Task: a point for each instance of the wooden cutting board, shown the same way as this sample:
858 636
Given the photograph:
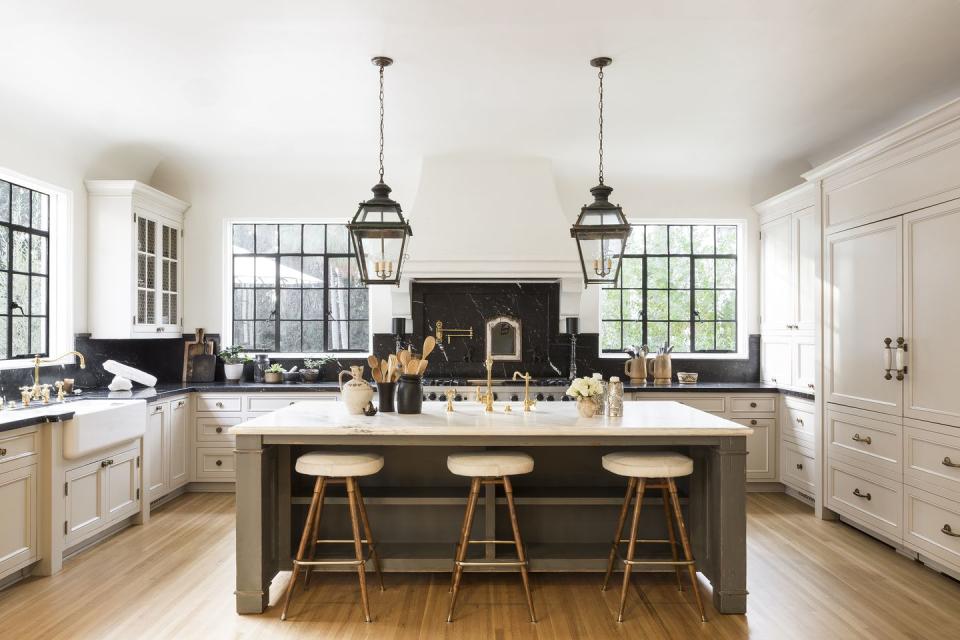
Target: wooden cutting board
199 346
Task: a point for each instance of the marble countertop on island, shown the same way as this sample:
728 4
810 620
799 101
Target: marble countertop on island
654 418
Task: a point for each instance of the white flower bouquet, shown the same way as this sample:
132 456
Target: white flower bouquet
585 388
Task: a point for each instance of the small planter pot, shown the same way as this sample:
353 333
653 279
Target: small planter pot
233 372
409 394
272 377
310 375
588 407
385 391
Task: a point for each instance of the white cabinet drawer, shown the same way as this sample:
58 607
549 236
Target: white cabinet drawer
872 500
797 467
753 404
215 464
263 403
215 429
869 443
219 403
711 405
17 447
799 420
931 459
931 525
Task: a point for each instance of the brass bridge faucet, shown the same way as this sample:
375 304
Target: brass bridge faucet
487 398
527 402
37 391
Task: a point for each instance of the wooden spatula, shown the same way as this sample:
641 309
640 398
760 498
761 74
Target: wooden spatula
428 344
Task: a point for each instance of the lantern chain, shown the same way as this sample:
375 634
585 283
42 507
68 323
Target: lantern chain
381 122
600 121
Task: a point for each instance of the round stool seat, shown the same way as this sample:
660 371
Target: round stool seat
643 464
489 463
339 464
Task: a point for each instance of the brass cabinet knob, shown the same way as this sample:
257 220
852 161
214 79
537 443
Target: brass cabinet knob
799 466
219 405
753 405
219 429
219 463
753 422
3 451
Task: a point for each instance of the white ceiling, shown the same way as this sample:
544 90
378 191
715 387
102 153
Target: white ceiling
720 90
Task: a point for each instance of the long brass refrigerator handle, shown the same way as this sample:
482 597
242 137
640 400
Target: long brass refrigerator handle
887 359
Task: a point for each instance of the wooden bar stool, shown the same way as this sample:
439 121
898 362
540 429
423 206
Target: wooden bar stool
662 468
336 467
489 467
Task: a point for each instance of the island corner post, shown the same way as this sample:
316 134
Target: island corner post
716 502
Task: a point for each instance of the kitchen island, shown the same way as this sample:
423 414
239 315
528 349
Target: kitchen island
567 507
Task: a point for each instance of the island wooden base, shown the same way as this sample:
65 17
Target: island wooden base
567 507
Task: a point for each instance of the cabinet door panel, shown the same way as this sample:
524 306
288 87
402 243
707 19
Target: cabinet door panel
931 312
806 248
804 362
18 528
84 502
179 443
122 486
777 312
155 451
775 363
761 448
863 306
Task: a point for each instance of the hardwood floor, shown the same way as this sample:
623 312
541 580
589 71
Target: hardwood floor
174 579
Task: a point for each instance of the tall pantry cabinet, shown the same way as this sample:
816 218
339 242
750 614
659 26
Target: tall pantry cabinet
891 354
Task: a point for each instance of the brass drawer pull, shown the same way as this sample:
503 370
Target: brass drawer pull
3 452
219 463
949 531
799 466
800 421
947 462
106 463
219 429
857 493
857 438
219 405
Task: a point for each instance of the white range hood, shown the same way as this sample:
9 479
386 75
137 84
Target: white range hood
480 217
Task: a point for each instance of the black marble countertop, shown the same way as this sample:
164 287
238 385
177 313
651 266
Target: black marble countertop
170 389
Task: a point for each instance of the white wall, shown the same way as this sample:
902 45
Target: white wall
223 195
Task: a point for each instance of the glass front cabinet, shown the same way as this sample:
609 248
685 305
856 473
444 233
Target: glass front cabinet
135 261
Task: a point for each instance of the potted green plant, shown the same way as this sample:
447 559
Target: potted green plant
273 375
233 360
311 368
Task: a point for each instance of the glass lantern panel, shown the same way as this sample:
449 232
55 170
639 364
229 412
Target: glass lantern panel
601 256
379 213
381 255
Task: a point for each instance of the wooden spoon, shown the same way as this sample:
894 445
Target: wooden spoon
384 371
372 361
392 367
422 368
428 344
404 357
375 372
411 367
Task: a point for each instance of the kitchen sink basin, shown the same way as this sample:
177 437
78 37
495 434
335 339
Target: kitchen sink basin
102 424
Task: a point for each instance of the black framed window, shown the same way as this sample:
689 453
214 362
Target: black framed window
677 286
24 271
297 289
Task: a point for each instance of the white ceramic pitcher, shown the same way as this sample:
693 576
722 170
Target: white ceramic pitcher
355 393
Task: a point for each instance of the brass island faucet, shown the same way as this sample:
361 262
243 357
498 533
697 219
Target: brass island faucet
487 398
527 402
37 392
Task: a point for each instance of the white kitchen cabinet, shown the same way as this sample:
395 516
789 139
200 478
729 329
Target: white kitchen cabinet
18 527
789 287
166 447
155 445
863 307
931 308
135 260
777 307
179 463
100 493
